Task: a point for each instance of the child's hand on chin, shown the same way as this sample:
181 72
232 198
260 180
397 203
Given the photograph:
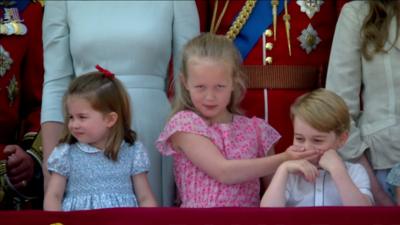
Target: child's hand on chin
330 160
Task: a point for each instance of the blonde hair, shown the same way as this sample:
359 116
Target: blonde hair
376 25
105 95
217 47
322 109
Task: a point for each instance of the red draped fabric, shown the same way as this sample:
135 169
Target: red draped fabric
215 216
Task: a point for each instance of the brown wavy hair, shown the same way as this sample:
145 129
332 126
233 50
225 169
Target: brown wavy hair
376 25
105 95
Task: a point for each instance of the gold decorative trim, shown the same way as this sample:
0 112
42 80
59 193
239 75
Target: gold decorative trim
36 149
241 19
41 2
286 18
214 26
2 167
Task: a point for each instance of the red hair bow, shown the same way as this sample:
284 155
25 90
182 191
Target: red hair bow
106 73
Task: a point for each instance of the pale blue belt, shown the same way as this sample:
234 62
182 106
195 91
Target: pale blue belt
142 81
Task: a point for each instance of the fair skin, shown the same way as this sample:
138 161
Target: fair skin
210 85
51 133
380 196
88 125
326 143
398 195
91 127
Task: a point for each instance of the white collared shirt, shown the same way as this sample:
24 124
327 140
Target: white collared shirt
323 191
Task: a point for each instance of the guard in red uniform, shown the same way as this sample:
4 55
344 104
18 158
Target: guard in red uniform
21 80
285 45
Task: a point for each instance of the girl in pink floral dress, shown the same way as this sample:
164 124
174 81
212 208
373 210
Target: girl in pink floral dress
218 154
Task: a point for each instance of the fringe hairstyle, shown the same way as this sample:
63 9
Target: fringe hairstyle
322 109
105 95
375 28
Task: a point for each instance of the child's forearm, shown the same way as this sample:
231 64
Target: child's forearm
148 202
380 196
275 194
398 195
237 171
52 203
142 188
348 191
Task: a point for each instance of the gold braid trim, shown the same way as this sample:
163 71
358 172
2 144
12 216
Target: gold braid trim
2 168
241 19
36 149
41 2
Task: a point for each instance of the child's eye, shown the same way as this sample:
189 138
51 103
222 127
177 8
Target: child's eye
299 139
318 141
221 86
199 87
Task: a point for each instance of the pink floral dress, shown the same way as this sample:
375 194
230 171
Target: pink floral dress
244 138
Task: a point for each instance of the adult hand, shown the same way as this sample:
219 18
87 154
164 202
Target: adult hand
20 166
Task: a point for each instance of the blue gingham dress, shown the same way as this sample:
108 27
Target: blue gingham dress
93 180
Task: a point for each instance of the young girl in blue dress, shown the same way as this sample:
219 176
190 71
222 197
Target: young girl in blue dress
98 163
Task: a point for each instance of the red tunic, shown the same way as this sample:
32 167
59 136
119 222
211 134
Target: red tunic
20 110
21 80
280 99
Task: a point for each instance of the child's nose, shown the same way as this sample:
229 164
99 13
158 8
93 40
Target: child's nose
210 95
309 146
73 124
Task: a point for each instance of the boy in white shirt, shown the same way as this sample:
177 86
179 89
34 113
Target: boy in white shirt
321 121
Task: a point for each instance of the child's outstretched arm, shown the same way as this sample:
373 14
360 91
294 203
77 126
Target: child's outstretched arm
55 192
266 180
275 194
350 194
206 156
143 191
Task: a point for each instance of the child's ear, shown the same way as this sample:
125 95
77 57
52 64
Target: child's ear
343 139
111 118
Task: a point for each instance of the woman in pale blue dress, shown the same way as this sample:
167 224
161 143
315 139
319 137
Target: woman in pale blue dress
135 40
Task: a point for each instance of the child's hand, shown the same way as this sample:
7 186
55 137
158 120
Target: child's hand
294 152
309 171
331 161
